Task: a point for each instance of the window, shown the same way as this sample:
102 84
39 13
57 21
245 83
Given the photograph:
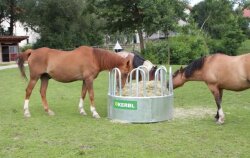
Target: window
13 49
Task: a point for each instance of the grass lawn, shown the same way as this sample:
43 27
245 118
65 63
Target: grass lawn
67 134
244 48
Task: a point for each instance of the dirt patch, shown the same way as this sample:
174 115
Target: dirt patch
185 113
119 121
182 113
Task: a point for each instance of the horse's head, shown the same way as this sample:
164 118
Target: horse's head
125 69
152 73
178 78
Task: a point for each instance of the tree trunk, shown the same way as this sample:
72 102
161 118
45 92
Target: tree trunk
12 17
140 33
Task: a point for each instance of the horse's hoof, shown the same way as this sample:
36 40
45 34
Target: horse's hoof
220 121
51 113
27 114
82 112
97 116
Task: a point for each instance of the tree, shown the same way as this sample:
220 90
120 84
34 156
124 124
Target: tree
218 19
243 21
62 24
146 16
9 12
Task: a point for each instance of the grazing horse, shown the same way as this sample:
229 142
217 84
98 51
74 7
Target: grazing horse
137 61
83 63
218 71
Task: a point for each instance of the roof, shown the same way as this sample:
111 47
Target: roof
12 39
246 13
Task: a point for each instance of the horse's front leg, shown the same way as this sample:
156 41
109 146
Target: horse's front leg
218 99
81 103
89 84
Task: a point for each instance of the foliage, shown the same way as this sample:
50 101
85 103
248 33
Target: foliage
62 24
9 13
219 20
67 134
183 49
244 48
2 14
27 46
156 51
243 22
146 16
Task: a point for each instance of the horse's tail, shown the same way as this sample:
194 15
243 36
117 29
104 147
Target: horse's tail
21 58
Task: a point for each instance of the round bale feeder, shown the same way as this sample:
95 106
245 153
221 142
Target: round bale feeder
141 101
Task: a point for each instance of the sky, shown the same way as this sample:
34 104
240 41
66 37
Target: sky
193 2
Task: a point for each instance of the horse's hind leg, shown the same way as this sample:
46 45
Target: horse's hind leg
29 89
81 103
218 99
43 89
89 84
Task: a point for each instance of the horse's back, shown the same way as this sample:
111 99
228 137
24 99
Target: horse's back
230 72
64 66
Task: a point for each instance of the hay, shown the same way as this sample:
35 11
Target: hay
149 89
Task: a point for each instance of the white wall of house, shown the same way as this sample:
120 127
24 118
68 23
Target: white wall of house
20 30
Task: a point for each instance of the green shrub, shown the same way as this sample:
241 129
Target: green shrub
156 51
24 48
183 49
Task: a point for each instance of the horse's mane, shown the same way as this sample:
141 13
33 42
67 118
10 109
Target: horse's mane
192 67
107 59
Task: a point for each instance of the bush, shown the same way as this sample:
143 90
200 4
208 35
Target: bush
27 46
229 44
183 49
156 51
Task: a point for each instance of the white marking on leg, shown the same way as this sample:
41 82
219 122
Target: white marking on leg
221 116
26 108
93 110
51 113
81 109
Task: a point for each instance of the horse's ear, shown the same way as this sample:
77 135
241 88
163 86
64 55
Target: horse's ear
129 62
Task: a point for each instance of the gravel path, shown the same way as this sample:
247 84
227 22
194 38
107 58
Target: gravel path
10 66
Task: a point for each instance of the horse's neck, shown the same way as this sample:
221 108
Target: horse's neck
197 76
108 61
124 54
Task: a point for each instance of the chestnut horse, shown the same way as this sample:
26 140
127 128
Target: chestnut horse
83 63
218 71
137 61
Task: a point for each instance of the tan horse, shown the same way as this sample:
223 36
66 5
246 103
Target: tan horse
83 63
219 72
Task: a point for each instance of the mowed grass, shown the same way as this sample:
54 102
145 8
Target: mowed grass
244 48
67 134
